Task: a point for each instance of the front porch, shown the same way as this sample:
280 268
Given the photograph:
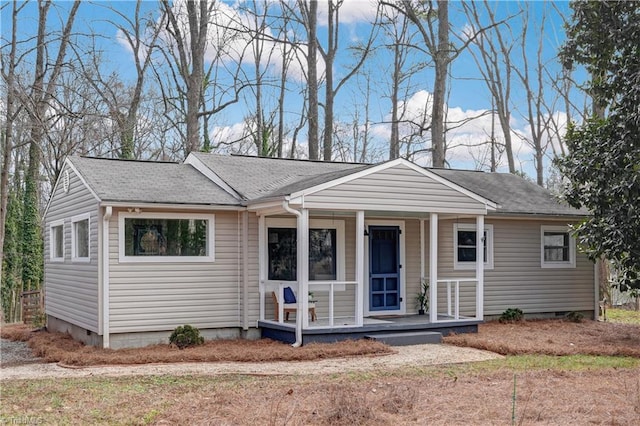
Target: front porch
375 326
354 252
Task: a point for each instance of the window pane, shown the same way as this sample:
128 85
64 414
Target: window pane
165 237
466 238
58 241
467 246
282 254
282 250
81 231
322 254
556 246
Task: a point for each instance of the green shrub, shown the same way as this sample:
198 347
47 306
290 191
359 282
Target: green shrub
186 335
512 315
575 316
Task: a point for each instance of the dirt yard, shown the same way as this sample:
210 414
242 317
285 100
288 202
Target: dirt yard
555 373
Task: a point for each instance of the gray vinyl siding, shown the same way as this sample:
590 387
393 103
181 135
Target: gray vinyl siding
395 189
161 296
72 288
517 279
412 263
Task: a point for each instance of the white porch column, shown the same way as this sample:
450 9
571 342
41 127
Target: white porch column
480 266
433 267
303 269
422 252
360 273
262 267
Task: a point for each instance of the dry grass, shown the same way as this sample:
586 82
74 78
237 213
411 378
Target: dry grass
554 337
61 348
436 396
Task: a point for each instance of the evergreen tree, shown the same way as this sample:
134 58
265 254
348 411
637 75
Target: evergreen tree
12 263
603 166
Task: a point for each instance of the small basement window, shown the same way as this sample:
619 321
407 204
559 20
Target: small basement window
157 237
80 238
56 241
558 247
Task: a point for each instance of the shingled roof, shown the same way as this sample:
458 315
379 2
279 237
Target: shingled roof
259 177
149 182
513 194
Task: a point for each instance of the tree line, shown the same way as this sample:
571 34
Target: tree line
286 66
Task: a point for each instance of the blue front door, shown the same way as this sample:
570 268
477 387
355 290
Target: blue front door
384 268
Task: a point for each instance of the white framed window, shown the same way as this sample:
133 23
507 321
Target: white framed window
56 240
80 232
557 247
464 246
326 250
166 237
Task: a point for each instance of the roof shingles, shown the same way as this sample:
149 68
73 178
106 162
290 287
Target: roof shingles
149 182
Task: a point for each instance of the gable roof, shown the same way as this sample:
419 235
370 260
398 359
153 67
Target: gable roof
513 194
242 179
261 177
148 182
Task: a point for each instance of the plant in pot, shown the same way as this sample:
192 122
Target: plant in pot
422 298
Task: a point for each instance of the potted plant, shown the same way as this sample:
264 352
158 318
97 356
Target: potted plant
422 298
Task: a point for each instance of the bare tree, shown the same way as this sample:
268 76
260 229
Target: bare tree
492 53
190 48
12 109
309 13
141 36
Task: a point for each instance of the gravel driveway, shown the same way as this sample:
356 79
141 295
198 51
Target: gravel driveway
15 353
417 355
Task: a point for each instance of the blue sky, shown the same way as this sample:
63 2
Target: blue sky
468 95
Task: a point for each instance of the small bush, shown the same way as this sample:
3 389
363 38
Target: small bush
186 335
575 316
512 315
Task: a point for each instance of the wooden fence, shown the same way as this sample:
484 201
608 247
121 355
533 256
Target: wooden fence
32 305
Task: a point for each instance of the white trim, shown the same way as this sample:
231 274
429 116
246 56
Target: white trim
166 206
360 272
489 205
52 225
571 263
433 267
480 267
106 326
74 220
312 205
287 223
200 166
488 265
403 282
210 257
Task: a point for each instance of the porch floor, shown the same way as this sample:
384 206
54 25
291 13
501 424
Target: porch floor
345 328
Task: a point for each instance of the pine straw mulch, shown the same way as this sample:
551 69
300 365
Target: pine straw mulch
61 348
554 337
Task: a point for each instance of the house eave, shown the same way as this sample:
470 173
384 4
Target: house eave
537 216
170 206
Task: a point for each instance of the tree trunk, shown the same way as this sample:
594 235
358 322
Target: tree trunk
440 86
312 78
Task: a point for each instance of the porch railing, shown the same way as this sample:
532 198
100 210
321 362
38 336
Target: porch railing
453 296
330 287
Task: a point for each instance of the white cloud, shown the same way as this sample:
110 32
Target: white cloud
351 12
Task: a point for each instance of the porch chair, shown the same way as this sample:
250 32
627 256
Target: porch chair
290 305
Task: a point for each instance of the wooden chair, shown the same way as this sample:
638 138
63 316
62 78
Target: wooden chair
290 307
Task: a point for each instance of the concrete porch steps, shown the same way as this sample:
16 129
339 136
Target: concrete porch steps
405 339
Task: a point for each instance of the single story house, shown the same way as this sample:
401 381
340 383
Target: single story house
134 249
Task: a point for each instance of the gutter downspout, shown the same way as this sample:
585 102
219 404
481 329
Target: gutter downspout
105 276
298 342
